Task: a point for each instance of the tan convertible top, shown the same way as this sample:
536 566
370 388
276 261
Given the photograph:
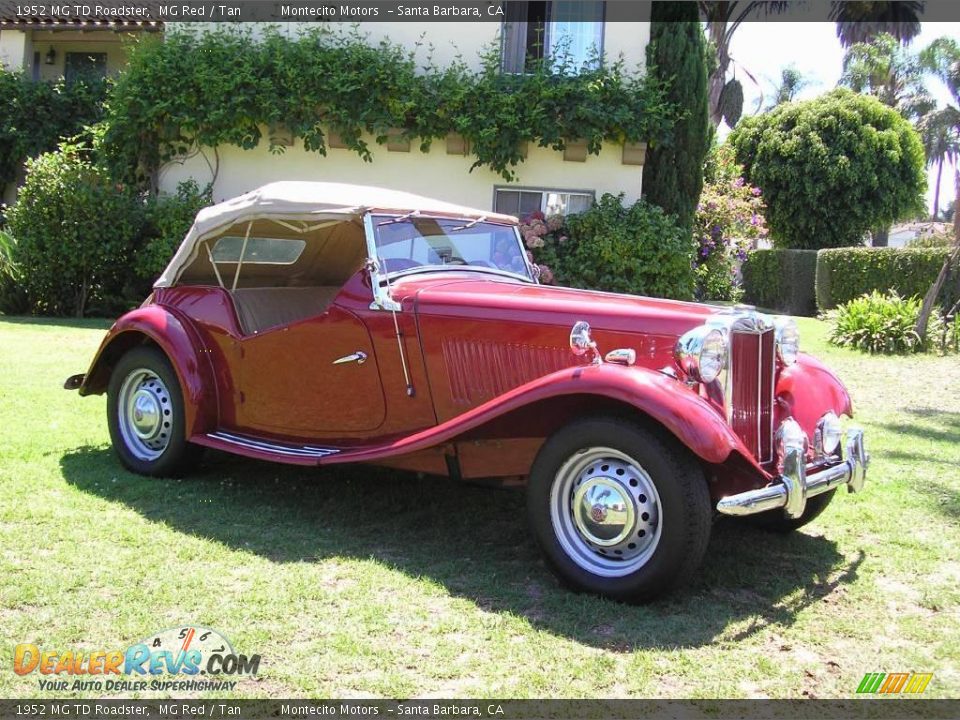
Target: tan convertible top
311 201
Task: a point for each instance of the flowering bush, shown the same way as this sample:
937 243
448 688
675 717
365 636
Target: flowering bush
729 221
544 238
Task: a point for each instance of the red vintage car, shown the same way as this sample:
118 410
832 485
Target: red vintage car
320 324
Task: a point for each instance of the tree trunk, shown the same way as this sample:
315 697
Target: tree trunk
930 299
881 237
936 194
718 36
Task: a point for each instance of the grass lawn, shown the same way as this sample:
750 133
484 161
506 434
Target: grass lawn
364 582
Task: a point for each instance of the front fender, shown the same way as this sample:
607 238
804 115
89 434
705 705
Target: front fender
688 416
808 389
175 335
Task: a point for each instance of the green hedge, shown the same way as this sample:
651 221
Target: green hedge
847 273
781 280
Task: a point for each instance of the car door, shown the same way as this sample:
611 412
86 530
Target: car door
317 377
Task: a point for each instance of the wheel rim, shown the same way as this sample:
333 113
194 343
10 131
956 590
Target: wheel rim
145 414
605 511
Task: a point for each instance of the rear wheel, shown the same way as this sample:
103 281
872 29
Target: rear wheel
145 415
618 510
776 521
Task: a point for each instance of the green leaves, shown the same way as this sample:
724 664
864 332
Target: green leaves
637 249
35 116
224 85
832 168
878 323
845 274
75 229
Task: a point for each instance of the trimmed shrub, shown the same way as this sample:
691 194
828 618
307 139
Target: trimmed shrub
638 249
782 280
878 323
75 229
832 168
844 274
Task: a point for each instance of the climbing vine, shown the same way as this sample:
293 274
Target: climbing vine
224 87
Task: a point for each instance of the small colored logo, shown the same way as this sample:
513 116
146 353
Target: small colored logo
894 683
180 654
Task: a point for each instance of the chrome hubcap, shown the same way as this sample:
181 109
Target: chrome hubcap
145 414
605 512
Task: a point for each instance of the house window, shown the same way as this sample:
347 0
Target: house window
522 202
561 30
83 65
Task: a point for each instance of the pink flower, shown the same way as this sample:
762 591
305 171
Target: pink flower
546 275
562 239
534 241
554 223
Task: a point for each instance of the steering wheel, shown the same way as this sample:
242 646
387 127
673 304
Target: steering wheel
391 265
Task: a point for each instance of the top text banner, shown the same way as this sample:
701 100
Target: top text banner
14 13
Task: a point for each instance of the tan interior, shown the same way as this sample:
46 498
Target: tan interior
262 308
269 296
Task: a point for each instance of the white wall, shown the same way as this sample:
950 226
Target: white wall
15 49
435 174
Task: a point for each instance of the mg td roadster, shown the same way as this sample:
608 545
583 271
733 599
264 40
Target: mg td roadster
320 324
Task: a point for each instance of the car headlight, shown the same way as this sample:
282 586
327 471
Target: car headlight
701 353
788 340
828 434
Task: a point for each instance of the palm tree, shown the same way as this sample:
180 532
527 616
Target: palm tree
859 22
891 73
943 59
941 143
791 83
723 17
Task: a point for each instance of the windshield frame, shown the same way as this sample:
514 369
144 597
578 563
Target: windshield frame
373 220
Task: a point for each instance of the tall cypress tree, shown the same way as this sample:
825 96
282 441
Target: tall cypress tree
677 54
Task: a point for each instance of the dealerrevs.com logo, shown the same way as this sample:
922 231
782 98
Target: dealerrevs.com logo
179 659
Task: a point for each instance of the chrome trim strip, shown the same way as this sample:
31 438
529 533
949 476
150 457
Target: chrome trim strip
794 486
304 451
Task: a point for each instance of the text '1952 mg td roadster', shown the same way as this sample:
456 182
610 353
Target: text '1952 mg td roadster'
319 324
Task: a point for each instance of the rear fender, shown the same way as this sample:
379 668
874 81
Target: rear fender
671 404
180 342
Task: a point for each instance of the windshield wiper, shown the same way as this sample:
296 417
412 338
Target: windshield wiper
399 219
470 224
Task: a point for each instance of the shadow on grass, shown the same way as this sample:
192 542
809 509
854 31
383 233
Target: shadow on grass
473 541
933 424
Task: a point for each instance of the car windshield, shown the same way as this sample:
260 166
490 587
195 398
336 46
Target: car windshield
415 243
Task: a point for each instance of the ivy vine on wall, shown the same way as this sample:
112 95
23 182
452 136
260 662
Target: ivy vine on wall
223 87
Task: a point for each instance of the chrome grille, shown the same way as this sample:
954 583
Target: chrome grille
752 365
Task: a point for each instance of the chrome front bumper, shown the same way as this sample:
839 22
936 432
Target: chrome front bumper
794 486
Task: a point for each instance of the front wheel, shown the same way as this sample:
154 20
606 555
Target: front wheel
618 510
145 415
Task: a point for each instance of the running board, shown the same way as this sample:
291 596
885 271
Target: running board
265 449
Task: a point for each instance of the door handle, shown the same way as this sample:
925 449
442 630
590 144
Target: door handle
359 357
